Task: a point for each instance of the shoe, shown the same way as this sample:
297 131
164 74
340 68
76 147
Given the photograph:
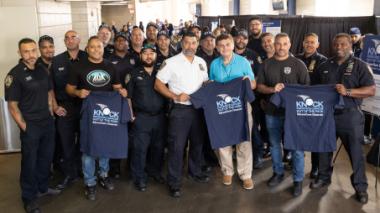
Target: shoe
258 163
90 192
248 184
267 153
175 192
67 181
275 180
297 190
158 178
115 173
287 157
140 186
200 178
49 191
206 169
314 174
227 180
362 197
106 183
318 183
32 207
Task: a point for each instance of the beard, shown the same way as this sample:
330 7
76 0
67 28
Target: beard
148 64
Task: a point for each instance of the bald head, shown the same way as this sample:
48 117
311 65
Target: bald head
137 37
72 40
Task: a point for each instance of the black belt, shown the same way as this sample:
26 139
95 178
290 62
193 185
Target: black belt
344 110
183 106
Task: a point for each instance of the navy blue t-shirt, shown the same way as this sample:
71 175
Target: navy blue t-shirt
104 125
309 116
225 110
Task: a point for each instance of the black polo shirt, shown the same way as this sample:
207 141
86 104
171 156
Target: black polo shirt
122 65
289 71
93 76
206 57
161 57
255 45
108 50
60 73
30 89
353 73
142 93
134 57
312 62
253 59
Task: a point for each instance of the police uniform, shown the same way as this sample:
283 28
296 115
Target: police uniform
68 125
206 57
45 65
253 59
149 126
30 89
185 122
133 58
349 121
312 62
109 49
161 57
123 66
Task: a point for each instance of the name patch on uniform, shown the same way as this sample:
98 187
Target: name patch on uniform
61 68
8 81
114 62
201 67
98 78
132 61
127 78
287 70
28 78
140 78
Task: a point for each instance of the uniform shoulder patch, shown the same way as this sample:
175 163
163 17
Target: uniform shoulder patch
127 78
201 67
8 81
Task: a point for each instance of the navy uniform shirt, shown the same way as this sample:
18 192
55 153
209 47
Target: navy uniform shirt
357 49
134 57
123 66
312 62
60 68
353 73
142 93
255 45
108 50
30 89
289 71
161 57
253 59
93 76
45 65
207 58
309 116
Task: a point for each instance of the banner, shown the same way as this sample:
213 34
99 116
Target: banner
371 55
273 26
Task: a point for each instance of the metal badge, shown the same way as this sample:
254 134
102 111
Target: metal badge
8 81
28 78
201 67
132 61
259 60
127 78
115 62
312 65
140 78
349 68
61 68
287 70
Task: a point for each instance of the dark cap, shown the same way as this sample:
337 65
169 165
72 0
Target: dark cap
355 31
242 32
163 33
195 26
148 46
207 34
151 24
45 38
121 34
105 26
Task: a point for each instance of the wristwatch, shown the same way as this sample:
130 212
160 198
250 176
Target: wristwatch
348 92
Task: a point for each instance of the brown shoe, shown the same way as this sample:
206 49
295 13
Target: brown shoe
248 184
227 180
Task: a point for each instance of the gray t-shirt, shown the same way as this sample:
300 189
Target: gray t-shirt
289 71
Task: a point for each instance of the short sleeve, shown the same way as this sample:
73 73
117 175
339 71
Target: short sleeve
198 98
248 70
276 99
249 95
261 74
73 76
165 73
12 88
130 84
365 75
126 112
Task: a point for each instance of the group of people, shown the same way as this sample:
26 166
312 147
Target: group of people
45 96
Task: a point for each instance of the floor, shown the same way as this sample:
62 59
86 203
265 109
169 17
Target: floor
211 197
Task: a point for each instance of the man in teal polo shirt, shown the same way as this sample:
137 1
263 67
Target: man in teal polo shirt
223 69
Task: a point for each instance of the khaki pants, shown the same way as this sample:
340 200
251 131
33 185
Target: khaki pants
243 155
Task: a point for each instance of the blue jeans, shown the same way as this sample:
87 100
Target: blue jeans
88 167
275 126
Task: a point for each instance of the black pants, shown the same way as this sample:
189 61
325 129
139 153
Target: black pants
314 161
68 134
37 150
185 123
148 141
350 130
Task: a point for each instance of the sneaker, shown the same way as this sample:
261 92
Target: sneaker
362 196
90 192
297 189
106 183
248 184
49 191
32 207
227 180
